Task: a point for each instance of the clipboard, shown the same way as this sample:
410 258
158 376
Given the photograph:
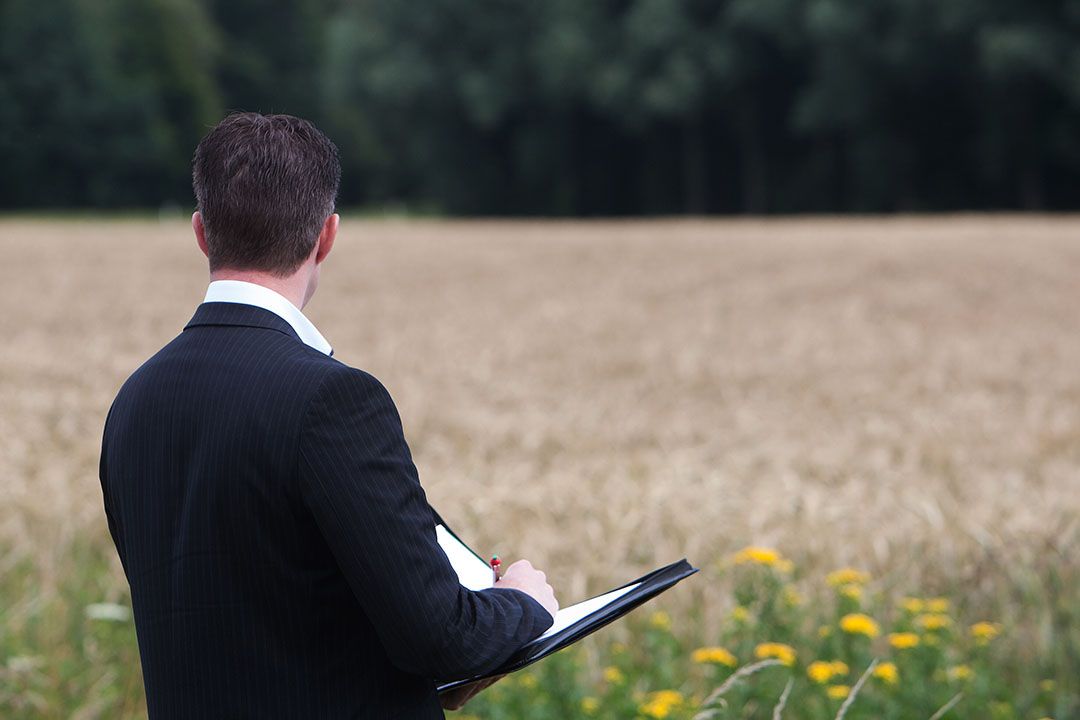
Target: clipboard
590 616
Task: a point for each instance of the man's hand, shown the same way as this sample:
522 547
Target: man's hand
455 699
519 576
524 577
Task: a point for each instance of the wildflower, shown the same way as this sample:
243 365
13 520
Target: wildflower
824 631
837 692
528 681
613 675
913 605
859 624
717 655
984 632
1047 685
937 605
784 653
1001 709
24 663
590 705
740 614
851 591
758 556
660 620
820 671
888 673
903 640
108 611
792 597
660 703
933 621
846 576
959 672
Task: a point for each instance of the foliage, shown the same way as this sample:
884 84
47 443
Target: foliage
613 107
926 655
917 654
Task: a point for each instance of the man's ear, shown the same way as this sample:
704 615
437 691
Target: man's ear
200 232
326 238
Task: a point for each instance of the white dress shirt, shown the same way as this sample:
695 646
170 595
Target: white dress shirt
245 293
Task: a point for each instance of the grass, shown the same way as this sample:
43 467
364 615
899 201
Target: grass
895 395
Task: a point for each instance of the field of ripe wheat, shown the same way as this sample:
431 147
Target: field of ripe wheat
896 396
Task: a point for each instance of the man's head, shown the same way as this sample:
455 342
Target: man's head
265 187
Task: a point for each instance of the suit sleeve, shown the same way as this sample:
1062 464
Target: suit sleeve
103 477
358 479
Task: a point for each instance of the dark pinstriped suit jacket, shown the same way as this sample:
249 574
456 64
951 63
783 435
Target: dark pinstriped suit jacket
280 550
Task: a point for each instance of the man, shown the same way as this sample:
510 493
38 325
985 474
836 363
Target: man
262 498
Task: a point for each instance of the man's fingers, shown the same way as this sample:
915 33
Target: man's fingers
520 564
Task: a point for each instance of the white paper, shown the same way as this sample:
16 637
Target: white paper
567 616
475 574
472 572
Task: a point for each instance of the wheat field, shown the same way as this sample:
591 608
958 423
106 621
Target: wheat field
899 395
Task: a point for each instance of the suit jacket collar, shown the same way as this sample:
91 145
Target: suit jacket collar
248 293
239 314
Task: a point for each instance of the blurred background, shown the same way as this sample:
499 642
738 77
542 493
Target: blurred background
615 107
856 410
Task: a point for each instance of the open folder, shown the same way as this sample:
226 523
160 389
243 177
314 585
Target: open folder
571 623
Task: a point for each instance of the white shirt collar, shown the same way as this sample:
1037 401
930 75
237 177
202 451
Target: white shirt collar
245 293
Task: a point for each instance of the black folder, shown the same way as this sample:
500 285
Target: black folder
649 586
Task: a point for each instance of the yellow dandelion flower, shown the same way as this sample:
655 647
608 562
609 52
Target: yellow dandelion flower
1001 709
792 598
933 621
717 655
824 631
837 692
740 614
613 675
888 673
660 620
660 703
784 653
859 624
589 705
1047 685
758 556
984 632
903 640
851 591
839 667
937 605
847 576
668 697
913 605
528 681
820 671
959 672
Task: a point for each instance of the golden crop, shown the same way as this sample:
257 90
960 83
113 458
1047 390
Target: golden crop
896 395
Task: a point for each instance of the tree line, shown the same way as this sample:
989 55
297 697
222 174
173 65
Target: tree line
560 107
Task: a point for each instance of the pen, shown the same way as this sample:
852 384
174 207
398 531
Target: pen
495 563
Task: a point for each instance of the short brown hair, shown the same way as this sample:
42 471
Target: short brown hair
265 185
